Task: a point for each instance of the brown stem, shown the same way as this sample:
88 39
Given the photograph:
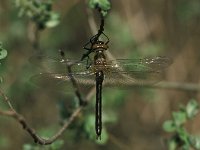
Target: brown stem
38 139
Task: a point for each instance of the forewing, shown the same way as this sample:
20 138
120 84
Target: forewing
57 65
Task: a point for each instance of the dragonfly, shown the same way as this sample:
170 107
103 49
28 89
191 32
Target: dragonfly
102 72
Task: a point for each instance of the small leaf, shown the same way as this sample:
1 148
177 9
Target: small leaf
1 80
172 145
192 108
89 126
53 21
195 141
90 130
27 147
186 147
104 13
103 4
3 52
179 117
183 135
169 126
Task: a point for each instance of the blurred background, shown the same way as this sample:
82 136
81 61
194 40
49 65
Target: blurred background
133 118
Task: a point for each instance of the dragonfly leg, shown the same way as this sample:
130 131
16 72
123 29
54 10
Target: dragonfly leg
62 54
108 40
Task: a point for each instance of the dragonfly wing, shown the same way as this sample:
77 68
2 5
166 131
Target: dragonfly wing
57 65
62 82
119 73
142 65
124 79
130 72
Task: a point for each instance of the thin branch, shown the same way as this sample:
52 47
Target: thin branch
38 139
7 101
6 113
82 102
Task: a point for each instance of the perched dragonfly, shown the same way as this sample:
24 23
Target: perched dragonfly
101 72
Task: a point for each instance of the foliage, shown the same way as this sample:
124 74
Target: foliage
103 4
3 52
40 12
181 138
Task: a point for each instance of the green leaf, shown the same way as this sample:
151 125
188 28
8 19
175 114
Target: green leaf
183 135
90 130
103 4
89 126
169 126
192 108
172 145
186 147
179 117
27 147
53 21
3 52
57 145
40 12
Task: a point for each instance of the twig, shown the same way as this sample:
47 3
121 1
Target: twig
82 102
38 139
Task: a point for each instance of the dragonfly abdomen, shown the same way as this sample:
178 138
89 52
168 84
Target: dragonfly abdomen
98 121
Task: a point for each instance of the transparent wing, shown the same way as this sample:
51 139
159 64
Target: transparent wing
57 65
119 73
54 81
139 65
127 72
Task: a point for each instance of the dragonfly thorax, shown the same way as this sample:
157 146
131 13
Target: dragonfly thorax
99 60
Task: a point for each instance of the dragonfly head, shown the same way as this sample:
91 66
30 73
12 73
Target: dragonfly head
100 45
